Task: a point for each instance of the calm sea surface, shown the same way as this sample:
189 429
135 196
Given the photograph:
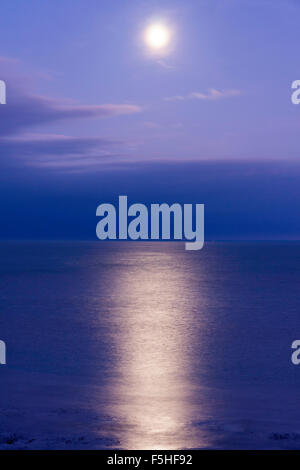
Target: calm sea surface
146 345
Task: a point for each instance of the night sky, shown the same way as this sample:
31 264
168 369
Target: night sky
92 113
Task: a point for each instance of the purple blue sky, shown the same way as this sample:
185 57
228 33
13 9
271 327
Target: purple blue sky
92 113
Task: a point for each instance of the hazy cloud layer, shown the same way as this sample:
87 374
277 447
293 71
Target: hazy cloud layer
239 197
55 150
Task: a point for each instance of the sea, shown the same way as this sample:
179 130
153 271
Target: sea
144 345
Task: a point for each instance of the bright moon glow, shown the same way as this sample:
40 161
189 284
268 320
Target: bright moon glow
157 36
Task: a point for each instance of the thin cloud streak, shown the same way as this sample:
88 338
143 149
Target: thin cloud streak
212 94
26 110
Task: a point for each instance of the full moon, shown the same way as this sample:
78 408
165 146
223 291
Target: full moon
157 36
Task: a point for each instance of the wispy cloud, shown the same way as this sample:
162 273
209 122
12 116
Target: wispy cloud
165 64
211 94
25 110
